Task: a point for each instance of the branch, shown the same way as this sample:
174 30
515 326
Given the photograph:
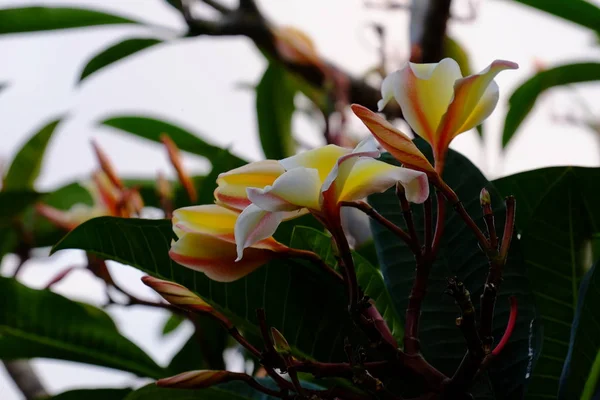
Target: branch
248 21
26 379
431 23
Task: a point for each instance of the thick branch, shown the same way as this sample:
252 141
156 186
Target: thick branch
26 379
433 31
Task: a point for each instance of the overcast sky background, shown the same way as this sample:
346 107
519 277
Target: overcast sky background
194 83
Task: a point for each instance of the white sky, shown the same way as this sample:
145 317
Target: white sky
193 84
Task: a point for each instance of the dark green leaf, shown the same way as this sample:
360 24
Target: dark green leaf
203 350
442 343
34 19
172 323
581 12
26 165
274 110
556 216
147 189
523 99
93 394
314 325
369 277
152 129
39 323
13 202
581 372
115 53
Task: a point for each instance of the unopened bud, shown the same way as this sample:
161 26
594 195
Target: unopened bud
281 345
106 165
200 379
177 294
163 187
175 157
485 198
110 195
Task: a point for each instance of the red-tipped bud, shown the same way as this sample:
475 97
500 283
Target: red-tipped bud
200 379
280 343
164 187
175 157
177 294
106 165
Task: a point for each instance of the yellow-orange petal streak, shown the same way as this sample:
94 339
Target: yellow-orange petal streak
393 140
215 257
232 185
208 218
475 98
423 92
322 159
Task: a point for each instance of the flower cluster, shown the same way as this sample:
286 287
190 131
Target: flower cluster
233 237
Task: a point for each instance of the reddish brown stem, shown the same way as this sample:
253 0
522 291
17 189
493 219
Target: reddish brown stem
347 263
509 226
439 224
315 259
408 217
415 301
428 224
512 319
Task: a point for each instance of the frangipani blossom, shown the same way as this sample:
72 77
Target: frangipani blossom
439 104
206 243
319 180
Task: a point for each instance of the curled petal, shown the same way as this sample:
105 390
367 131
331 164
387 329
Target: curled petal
216 258
322 159
297 188
424 92
369 176
254 225
295 46
475 98
177 294
388 88
397 143
209 219
232 185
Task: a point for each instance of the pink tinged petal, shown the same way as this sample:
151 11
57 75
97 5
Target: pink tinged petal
254 225
297 188
393 140
232 185
369 176
424 92
216 258
475 98
321 159
388 88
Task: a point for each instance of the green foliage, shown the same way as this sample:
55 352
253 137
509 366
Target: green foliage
581 373
522 100
222 161
556 217
115 53
231 391
39 323
25 167
13 202
93 394
152 129
172 323
34 19
442 343
274 110
581 12
369 277
314 325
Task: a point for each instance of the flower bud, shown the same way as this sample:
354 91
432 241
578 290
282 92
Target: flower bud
175 157
177 295
106 165
200 379
163 187
280 343
485 198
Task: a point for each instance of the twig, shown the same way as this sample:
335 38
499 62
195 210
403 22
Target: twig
408 217
434 31
439 224
428 227
315 259
25 379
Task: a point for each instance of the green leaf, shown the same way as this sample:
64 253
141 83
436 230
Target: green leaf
35 19
115 53
274 110
26 165
369 277
581 12
524 97
581 373
93 394
203 350
459 255
39 323
152 129
315 325
13 202
222 161
556 217
173 322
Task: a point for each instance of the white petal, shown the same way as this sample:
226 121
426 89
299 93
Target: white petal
254 225
388 86
295 189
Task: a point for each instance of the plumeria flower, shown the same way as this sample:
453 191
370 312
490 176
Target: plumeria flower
319 181
205 242
438 103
